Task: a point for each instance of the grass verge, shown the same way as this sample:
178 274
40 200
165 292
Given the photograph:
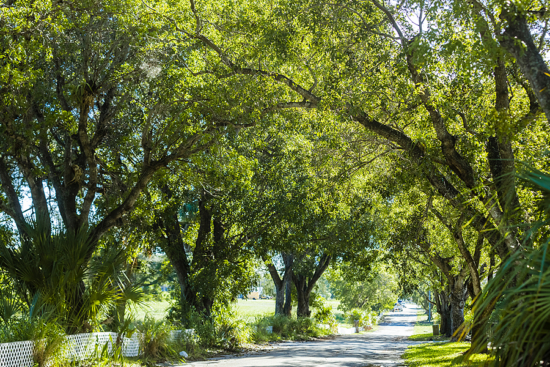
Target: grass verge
442 355
423 330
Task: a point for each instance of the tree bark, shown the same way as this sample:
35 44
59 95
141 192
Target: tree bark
174 248
283 297
288 259
517 40
287 309
303 297
279 289
304 284
458 295
444 311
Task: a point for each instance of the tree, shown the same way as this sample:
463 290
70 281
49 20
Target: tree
374 290
99 99
431 98
429 66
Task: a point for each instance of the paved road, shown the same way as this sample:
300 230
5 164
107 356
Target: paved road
380 348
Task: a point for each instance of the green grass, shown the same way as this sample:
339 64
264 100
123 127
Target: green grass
155 309
265 307
253 308
423 330
441 355
244 308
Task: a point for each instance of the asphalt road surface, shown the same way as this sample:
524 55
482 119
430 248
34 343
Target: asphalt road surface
382 347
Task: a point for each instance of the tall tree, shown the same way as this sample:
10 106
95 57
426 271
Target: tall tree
97 99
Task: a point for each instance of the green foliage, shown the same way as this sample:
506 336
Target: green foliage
10 305
156 342
286 328
53 269
377 290
325 315
223 329
48 336
521 288
362 317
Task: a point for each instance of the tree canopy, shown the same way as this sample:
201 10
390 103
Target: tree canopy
385 140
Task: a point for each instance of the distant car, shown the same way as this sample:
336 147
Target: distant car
397 308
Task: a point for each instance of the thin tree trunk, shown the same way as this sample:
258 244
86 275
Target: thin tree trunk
279 288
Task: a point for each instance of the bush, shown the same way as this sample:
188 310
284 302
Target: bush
47 335
155 341
221 330
302 328
231 331
324 315
190 344
365 318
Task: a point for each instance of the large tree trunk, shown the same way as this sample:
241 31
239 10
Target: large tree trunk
174 248
304 285
458 295
282 285
517 40
287 309
444 311
287 283
303 297
204 254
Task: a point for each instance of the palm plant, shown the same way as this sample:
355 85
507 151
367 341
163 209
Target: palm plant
521 287
10 305
57 269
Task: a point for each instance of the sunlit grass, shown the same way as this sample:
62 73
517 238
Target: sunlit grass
423 329
243 308
441 355
155 309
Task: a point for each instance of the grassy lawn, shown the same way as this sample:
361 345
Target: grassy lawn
423 330
441 355
253 308
244 308
155 309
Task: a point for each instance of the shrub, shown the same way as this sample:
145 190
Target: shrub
155 341
519 293
364 318
190 343
284 327
324 315
231 331
47 335
221 330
